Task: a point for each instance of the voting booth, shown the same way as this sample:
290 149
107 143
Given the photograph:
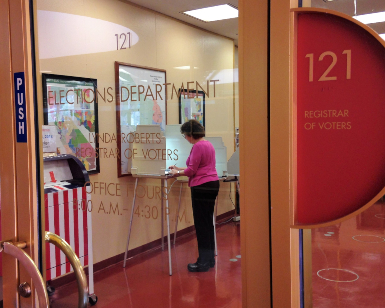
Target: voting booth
178 148
68 214
153 151
148 160
233 176
148 151
233 164
176 143
220 155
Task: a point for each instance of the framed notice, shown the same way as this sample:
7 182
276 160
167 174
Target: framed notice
191 106
140 100
49 137
70 105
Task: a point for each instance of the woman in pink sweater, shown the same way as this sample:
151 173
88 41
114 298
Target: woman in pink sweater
204 184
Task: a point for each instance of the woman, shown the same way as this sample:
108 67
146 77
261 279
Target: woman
204 184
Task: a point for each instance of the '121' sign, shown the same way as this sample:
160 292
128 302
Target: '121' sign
340 117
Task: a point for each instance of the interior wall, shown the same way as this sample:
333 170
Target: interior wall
164 43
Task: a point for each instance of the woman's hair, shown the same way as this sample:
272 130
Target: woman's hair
193 128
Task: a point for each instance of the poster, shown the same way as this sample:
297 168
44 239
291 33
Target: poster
192 106
140 100
70 105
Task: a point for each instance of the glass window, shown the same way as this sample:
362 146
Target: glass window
347 267
117 81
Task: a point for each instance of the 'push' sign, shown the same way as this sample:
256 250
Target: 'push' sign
21 120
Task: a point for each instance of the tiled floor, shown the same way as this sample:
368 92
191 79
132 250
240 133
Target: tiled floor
145 281
351 255
348 262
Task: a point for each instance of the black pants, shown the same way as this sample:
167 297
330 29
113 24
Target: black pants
203 201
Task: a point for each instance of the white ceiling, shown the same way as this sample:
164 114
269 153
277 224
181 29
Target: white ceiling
354 8
173 8
229 27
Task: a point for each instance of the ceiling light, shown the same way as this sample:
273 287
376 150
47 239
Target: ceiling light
212 13
182 67
371 18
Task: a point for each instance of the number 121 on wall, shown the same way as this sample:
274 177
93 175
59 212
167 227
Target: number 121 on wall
328 73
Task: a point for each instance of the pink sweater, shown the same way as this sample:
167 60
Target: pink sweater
201 164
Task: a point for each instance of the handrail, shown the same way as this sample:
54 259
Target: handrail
30 266
76 265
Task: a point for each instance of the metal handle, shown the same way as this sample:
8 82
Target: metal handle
76 265
30 266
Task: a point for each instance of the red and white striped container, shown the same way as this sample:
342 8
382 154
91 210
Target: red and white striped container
67 214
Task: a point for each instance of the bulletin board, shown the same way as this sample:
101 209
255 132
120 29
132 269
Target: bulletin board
191 106
140 100
70 104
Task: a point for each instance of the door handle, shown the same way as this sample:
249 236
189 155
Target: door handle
15 251
76 265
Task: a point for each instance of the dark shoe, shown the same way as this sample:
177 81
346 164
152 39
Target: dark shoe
211 262
199 267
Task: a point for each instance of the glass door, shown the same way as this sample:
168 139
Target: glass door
344 261
113 90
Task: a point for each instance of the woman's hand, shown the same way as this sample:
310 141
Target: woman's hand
173 167
174 171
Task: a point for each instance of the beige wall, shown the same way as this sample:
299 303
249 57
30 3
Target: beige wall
164 43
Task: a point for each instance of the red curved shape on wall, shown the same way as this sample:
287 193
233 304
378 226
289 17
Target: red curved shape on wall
340 118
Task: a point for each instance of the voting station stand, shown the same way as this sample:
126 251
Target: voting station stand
144 167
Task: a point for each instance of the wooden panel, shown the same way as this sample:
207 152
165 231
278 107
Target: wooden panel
7 154
253 115
22 162
285 263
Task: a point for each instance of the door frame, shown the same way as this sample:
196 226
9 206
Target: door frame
269 247
19 185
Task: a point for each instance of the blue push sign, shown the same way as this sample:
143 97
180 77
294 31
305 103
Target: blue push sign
21 119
